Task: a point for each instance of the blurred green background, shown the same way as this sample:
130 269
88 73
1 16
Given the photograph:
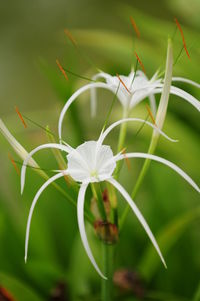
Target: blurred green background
32 37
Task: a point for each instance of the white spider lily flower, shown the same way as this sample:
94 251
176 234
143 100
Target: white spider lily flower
92 162
138 88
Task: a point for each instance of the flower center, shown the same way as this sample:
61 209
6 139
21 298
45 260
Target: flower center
91 162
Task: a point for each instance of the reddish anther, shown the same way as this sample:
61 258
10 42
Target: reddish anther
150 114
121 81
140 62
182 35
135 27
5 295
20 116
126 159
14 164
70 37
62 70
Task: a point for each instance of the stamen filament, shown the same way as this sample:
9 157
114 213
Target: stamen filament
121 81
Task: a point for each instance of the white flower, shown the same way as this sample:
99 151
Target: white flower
91 162
137 87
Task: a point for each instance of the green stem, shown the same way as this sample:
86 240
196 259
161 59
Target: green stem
107 285
96 190
122 136
160 118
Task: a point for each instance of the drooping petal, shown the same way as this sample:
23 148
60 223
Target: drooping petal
18 148
73 98
42 188
93 99
185 80
181 93
43 146
139 216
153 104
112 126
81 224
178 92
163 161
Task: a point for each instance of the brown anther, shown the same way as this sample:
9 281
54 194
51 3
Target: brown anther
150 114
70 37
129 281
20 116
121 81
182 35
140 62
14 164
106 231
5 295
128 163
61 69
135 26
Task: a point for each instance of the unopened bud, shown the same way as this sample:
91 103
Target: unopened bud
106 231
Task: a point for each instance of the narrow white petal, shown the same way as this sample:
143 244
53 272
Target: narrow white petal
18 148
185 80
163 161
153 104
112 126
81 224
27 159
73 98
178 92
181 93
42 188
139 215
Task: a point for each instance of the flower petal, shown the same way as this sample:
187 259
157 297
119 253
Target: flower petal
42 188
163 161
185 80
73 98
27 159
80 213
153 104
93 99
112 126
139 215
181 93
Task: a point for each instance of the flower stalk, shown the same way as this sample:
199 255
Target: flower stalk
107 285
160 118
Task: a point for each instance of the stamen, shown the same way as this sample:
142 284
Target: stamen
70 37
61 69
121 81
128 163
150 114
135 27
20 116
182 35
80 76
140 62
14 164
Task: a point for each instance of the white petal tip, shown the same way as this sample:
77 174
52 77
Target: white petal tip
25 259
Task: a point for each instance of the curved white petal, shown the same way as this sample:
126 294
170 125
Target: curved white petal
73 98
81 224
185 80
178 92
163 161
181 93
42 188
139 215
112 126
153 104
93 99
43 146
